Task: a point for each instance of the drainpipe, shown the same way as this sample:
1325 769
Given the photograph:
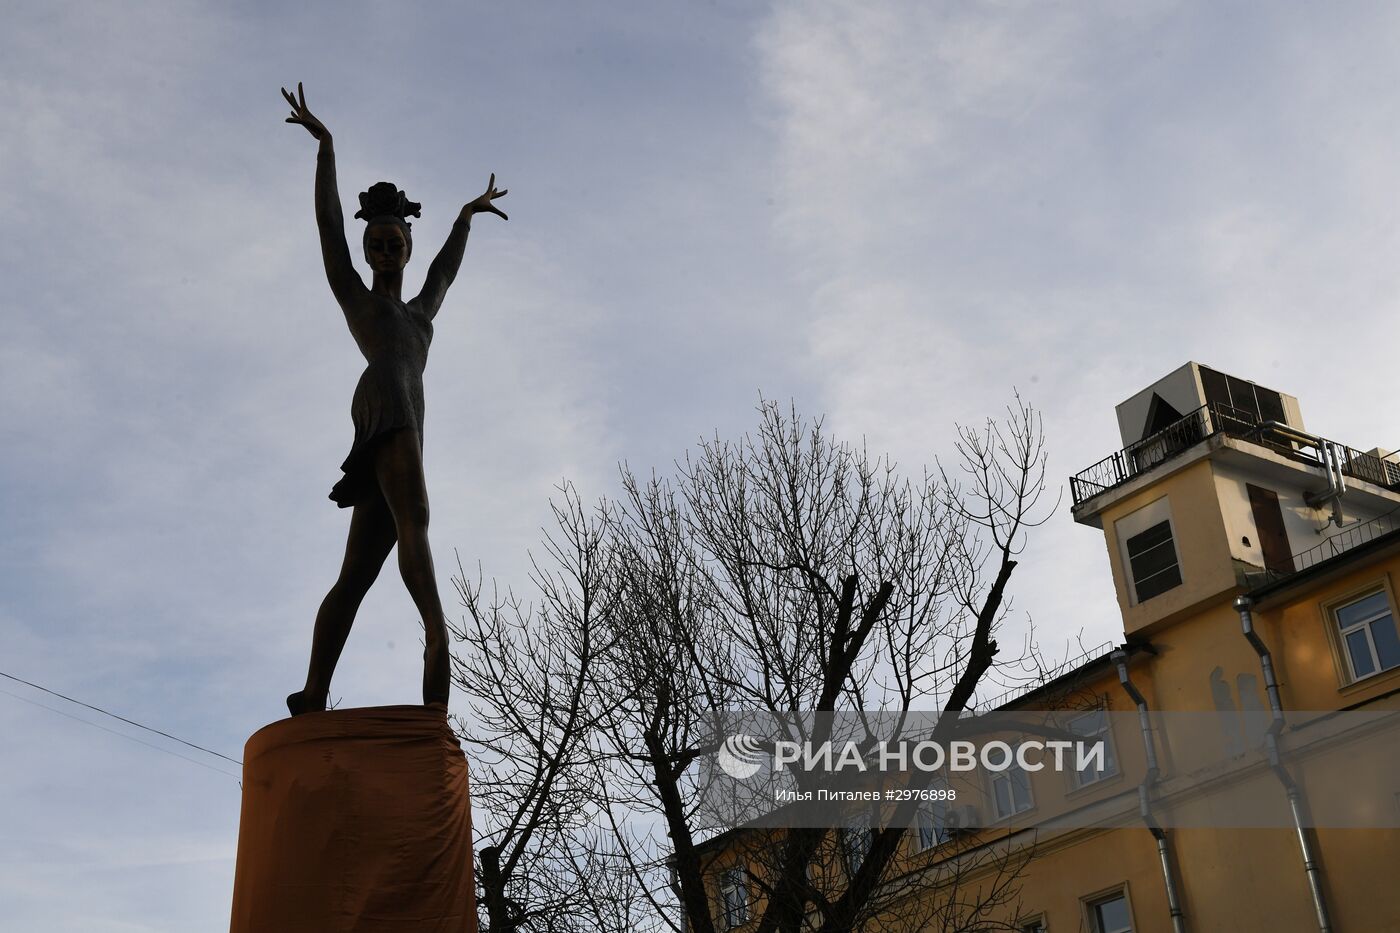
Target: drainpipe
1331 462
1336 481
1120 659
1295 793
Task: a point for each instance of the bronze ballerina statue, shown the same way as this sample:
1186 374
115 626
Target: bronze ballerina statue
383 480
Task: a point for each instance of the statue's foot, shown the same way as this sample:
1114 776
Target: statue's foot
298 703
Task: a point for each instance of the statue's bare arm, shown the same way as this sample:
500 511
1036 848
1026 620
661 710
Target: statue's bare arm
444 266
346 284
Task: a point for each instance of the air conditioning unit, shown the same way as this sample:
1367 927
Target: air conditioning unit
1387 458
963 820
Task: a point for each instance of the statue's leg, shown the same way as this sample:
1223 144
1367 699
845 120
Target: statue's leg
398 466
368 544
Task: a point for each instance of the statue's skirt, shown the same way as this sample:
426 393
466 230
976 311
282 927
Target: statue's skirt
355 819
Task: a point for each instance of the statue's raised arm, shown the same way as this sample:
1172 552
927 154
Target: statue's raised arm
330 220
444 266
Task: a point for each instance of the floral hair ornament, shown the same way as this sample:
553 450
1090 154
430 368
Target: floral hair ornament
384 199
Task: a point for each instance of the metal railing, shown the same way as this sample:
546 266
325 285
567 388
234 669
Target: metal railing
1369 467
1352 536
1118 468
1039 679
1211 419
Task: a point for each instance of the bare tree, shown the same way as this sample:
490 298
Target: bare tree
782 573
529 672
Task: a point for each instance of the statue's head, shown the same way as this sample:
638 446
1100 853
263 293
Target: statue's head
388 240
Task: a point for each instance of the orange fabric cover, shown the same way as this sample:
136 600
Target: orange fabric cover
355 819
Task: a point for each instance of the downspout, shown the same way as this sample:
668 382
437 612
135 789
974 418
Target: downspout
1149 742
1336 481
674 883
1295 793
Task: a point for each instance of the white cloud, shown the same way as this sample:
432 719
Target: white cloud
1075 201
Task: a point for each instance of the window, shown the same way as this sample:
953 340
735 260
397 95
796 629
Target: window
1148 554
1090 726
856 837
1110 915
1368 634
1033 926
1152 558
734 896
1011 792
1244 403
931 828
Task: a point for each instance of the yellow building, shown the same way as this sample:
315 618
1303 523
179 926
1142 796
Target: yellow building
1255 567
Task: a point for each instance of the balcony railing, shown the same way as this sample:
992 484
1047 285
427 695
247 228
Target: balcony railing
1118 468
1369 467
1210 419
1346 539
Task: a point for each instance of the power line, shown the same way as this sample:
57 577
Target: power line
123 735
130 722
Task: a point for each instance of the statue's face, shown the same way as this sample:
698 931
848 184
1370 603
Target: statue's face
386 249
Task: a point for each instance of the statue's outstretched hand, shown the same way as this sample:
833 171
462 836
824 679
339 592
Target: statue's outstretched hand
302 115
483 202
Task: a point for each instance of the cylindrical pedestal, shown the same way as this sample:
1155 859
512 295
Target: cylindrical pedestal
355 820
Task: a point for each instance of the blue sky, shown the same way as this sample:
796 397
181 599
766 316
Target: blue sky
892 213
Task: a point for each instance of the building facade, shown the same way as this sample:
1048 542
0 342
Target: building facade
1250 557
1255 565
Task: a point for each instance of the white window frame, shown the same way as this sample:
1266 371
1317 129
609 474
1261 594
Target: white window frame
735 910
1340 634
1092 903
853 853
1085 778
937 813
1010 792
